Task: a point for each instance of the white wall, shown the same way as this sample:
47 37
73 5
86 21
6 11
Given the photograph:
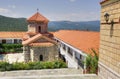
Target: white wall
10 40
17 57
71 60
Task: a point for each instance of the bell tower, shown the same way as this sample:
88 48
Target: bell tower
37 23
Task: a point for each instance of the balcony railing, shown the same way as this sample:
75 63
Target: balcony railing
80 62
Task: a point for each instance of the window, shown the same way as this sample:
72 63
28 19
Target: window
39 28
70 51
64 47
41 58
3 41
80 56
57 41
15 41
20 41
9 41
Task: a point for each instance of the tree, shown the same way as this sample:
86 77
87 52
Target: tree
92 62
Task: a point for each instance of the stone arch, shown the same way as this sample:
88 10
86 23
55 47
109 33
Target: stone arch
39 29
41 57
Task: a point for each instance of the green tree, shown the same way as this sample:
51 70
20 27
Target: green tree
92 62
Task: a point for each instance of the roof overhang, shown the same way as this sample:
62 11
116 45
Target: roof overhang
103 1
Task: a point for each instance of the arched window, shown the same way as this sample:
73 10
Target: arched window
39 28
41 58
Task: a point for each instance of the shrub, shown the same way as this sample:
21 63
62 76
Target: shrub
20 66
35 65
59 64
92 62
4 66
10 48
48 65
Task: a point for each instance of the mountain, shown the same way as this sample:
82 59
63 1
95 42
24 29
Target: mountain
12 24
89 25
20 24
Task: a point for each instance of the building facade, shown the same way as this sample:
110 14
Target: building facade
74 46
38 43
11 37
72 56
109 56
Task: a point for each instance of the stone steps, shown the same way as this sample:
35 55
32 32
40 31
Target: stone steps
47 74
53 77
41 72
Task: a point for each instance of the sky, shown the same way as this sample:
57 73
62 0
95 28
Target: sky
54 10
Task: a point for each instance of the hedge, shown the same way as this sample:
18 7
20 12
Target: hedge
10 48
5 66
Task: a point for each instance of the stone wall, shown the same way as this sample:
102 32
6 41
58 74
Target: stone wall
49 53
26 52
16 57
110 41
34 27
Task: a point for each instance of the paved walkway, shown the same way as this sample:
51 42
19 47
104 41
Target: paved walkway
47 74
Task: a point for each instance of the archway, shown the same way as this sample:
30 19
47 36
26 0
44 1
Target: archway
39 29
41 57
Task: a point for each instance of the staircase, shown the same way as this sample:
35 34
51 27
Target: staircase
47 74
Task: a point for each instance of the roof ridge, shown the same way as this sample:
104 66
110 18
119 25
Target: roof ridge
78 31
38 18
30 40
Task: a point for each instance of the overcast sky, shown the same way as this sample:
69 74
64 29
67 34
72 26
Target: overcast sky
54 10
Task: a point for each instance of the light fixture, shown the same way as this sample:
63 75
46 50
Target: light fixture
106 16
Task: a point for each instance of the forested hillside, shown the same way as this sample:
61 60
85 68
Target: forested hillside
20 24
12 24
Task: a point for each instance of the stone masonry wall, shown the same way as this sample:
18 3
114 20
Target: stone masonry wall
34 27
26 52
49 53
110 41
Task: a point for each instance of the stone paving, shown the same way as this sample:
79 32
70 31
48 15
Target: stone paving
47 74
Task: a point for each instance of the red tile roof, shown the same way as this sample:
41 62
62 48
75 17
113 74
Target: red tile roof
37 17
31 40
12 34
41 44
83 40
31 33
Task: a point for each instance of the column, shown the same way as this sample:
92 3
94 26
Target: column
66 49
12 41
84 71
74 55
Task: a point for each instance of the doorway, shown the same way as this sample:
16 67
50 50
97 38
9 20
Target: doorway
41 58
39 29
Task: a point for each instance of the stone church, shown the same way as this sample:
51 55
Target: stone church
38 43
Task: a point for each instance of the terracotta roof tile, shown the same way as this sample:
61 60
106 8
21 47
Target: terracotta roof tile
41 44
83 40
12 34
37 17
30 40
33 39
31 33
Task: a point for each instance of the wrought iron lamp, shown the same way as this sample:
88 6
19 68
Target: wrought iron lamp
106 16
